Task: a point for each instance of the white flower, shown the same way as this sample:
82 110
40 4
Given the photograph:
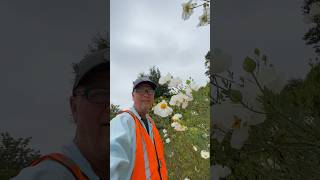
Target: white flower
204 18
186 178
176 117
174 124
168 140
194 113
180 99
164 131
271 79
165 135
218 171
221 61
165 79
176 100
174 82
187 9
194 86
184 104
195 148
189 91
218 135
162 109
178 127
232 117
239 136
205 154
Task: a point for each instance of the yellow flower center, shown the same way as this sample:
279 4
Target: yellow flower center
237 123
163 106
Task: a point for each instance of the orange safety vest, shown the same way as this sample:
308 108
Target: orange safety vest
66 162
158 171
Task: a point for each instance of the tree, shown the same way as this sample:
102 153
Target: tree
99 42
310 10
154 75
114 110
15 155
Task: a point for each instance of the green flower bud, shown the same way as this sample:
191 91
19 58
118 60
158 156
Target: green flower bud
249 65
235 96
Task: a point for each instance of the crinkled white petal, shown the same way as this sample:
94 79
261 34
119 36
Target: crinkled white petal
239 136
218 171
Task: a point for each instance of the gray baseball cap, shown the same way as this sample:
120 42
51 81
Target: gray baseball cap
88 63
144 79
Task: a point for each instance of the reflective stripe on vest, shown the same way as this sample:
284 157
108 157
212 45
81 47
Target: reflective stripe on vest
66 162
154 151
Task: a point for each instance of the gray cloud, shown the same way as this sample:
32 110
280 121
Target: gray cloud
144 34
39 42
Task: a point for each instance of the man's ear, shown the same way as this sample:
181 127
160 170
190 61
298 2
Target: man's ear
73 107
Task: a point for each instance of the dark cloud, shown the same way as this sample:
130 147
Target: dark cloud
39 42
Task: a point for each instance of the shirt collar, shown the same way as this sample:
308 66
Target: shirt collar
72 151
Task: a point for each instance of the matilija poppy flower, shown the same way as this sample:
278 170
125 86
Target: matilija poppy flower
176 117
174 82
178 127
165 79
162 109
180 99
205 154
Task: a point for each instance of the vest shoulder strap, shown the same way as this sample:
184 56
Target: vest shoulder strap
65 161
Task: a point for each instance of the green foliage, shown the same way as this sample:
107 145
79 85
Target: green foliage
114 110
249 65
154 75
286 145
207 59
182 160
99 42
15 155
312 36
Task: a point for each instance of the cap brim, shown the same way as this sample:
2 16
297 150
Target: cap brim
147 82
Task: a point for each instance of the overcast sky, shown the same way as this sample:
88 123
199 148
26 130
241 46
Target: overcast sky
40 39
276 27
145 33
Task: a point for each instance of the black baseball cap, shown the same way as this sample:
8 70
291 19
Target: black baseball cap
89 62
144 79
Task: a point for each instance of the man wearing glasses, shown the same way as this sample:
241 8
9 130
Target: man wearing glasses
136 149
86 157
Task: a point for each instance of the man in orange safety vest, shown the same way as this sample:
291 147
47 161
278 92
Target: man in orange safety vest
136 148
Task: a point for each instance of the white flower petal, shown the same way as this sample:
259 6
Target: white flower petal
205 154
162 109
239 136
219 171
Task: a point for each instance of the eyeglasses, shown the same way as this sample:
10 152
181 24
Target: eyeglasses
96 96
142 91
